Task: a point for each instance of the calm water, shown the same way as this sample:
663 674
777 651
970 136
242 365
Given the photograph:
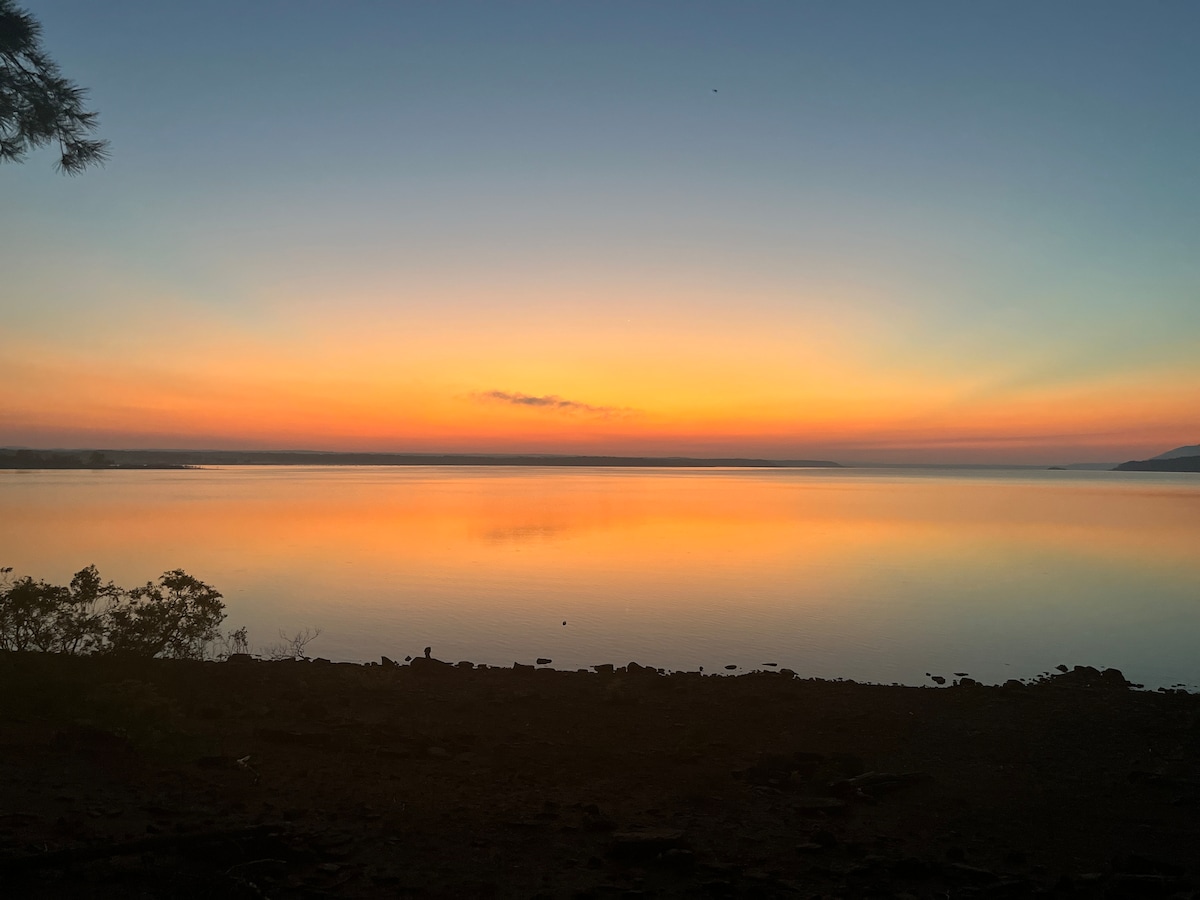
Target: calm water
877 575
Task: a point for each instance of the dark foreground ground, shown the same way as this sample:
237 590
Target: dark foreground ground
251 779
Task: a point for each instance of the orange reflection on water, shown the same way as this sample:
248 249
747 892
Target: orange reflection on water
592 520
484 558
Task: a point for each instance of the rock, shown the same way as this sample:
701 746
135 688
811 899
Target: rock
466 664
937 679
125 866
386 662
973 873
258 869
635 669
911 867
595 820
1137 864
876 783
772 665
815 806
679 859
961 674
1114 678
1061 668
239 658
731 667
967 682
1011 886
297 738
430 666
1129 885
604 668
825 838
644 842
89 740
522 667
217 762
542 661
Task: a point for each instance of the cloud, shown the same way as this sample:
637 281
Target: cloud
549 402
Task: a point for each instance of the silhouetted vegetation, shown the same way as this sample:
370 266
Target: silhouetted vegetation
294 647
38 106
76 459
178 617
52 459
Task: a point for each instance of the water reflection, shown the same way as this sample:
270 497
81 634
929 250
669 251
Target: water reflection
521 533
873 575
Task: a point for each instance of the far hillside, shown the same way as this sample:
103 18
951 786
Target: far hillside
1189 450
1161 464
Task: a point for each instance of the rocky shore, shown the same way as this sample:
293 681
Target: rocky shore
256 779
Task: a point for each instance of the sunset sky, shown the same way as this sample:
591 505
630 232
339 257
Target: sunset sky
863 231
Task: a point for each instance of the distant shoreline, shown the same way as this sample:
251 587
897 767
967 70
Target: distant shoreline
12 458
191 459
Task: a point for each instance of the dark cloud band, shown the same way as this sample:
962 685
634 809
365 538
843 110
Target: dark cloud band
550 402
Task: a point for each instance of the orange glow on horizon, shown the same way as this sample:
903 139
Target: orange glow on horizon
639 404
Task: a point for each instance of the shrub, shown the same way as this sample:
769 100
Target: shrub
51 618
294 647
178 616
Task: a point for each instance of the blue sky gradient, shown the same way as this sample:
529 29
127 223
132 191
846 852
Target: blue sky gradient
982 204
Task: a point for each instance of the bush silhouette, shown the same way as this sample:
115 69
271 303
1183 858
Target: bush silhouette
178 616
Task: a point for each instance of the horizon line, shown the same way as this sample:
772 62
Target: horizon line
494 455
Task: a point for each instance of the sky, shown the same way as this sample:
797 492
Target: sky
862 231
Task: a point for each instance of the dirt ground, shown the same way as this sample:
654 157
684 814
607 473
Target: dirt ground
162 779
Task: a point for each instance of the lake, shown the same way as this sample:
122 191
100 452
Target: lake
871 574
